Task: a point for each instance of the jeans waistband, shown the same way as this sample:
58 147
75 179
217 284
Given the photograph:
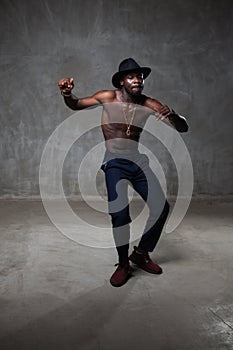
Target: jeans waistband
129 155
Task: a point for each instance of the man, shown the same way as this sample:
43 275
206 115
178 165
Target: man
125 111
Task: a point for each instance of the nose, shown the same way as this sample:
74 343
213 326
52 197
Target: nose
138 79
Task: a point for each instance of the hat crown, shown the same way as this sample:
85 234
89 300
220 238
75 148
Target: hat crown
128 64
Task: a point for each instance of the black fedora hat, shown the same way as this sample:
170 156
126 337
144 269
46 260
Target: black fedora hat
126 66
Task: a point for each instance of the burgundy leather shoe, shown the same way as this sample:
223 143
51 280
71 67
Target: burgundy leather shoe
142 260
121 275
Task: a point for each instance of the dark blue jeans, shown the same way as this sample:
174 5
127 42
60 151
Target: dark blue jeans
120 171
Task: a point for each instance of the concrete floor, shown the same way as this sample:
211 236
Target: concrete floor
55 294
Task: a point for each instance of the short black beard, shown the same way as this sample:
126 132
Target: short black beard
134 94
137 93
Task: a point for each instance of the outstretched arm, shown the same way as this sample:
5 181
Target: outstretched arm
67 84
163 112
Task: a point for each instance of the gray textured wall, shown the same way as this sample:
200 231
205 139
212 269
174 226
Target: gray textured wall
188 44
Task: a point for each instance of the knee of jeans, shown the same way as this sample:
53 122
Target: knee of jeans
120 218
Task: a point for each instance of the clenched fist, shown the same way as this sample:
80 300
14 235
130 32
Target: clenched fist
66 85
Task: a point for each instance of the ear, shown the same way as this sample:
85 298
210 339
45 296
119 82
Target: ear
121 82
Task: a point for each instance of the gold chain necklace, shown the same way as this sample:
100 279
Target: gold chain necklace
128 132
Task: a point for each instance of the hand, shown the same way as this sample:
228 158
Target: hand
66 85
163 112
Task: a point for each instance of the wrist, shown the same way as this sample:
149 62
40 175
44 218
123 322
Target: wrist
68 94
172 115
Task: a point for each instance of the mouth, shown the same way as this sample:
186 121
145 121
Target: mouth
136 90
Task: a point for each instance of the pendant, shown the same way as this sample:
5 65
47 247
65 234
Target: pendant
128 132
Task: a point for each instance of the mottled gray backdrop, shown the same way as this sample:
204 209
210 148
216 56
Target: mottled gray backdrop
188 45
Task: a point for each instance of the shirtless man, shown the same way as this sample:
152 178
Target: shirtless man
122 124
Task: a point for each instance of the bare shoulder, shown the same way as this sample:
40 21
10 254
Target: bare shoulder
152 103
105 96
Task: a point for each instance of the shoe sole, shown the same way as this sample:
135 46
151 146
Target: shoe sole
118 285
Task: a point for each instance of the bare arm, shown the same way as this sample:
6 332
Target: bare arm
76 103
163 112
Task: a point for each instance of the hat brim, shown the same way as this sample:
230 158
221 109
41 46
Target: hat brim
118 76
